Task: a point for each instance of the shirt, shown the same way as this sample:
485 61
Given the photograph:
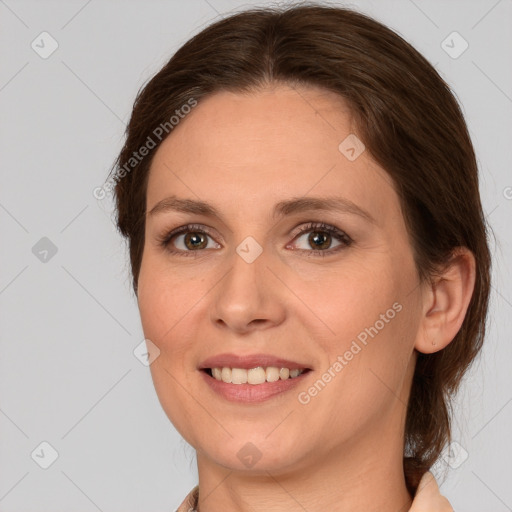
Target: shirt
427 498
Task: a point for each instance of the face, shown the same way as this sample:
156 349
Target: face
267 271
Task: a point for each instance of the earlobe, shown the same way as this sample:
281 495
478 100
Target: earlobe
446 302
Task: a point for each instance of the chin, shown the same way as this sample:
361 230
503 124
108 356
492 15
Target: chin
255 453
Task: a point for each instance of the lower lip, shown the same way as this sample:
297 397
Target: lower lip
252 393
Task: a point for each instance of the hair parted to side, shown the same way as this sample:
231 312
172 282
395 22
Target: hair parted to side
409 121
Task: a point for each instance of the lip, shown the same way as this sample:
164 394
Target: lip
250 361
249 393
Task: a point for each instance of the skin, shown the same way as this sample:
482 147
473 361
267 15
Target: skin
343 450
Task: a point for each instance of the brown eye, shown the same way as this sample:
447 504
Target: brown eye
191 240
188 240
195 240
320 238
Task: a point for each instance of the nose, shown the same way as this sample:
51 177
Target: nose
249 296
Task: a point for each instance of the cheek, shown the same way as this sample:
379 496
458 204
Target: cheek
169 304
345 302
368 382
375 326
379 356
162 300
156 310
163 307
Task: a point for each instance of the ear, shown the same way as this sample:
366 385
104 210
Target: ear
445 302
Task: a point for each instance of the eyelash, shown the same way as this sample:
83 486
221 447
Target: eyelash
165 240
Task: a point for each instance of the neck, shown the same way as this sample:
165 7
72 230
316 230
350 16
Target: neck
359 477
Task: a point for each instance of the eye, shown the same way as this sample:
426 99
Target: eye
187 239
191 239
320 237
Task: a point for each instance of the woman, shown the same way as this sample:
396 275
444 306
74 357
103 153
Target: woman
300 196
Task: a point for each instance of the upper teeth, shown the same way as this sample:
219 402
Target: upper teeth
254 375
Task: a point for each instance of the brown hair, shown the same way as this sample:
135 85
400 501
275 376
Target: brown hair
410 123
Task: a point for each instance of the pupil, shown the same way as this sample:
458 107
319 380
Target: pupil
193 239
315 238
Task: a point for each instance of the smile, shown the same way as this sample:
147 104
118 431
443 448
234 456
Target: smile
253 376
244 392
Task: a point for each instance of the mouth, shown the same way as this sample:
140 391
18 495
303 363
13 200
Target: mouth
253 376
252 368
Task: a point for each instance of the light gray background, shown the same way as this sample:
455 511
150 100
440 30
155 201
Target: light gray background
69 325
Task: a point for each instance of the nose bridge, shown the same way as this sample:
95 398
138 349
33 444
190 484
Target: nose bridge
247 292
245 283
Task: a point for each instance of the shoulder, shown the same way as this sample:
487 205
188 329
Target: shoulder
428 498
189 504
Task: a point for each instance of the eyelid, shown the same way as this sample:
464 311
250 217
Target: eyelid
168 235
302 229
344 239
165 239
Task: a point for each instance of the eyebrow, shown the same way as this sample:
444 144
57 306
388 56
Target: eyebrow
281 209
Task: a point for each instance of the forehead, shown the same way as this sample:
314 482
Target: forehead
275 121
274 143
